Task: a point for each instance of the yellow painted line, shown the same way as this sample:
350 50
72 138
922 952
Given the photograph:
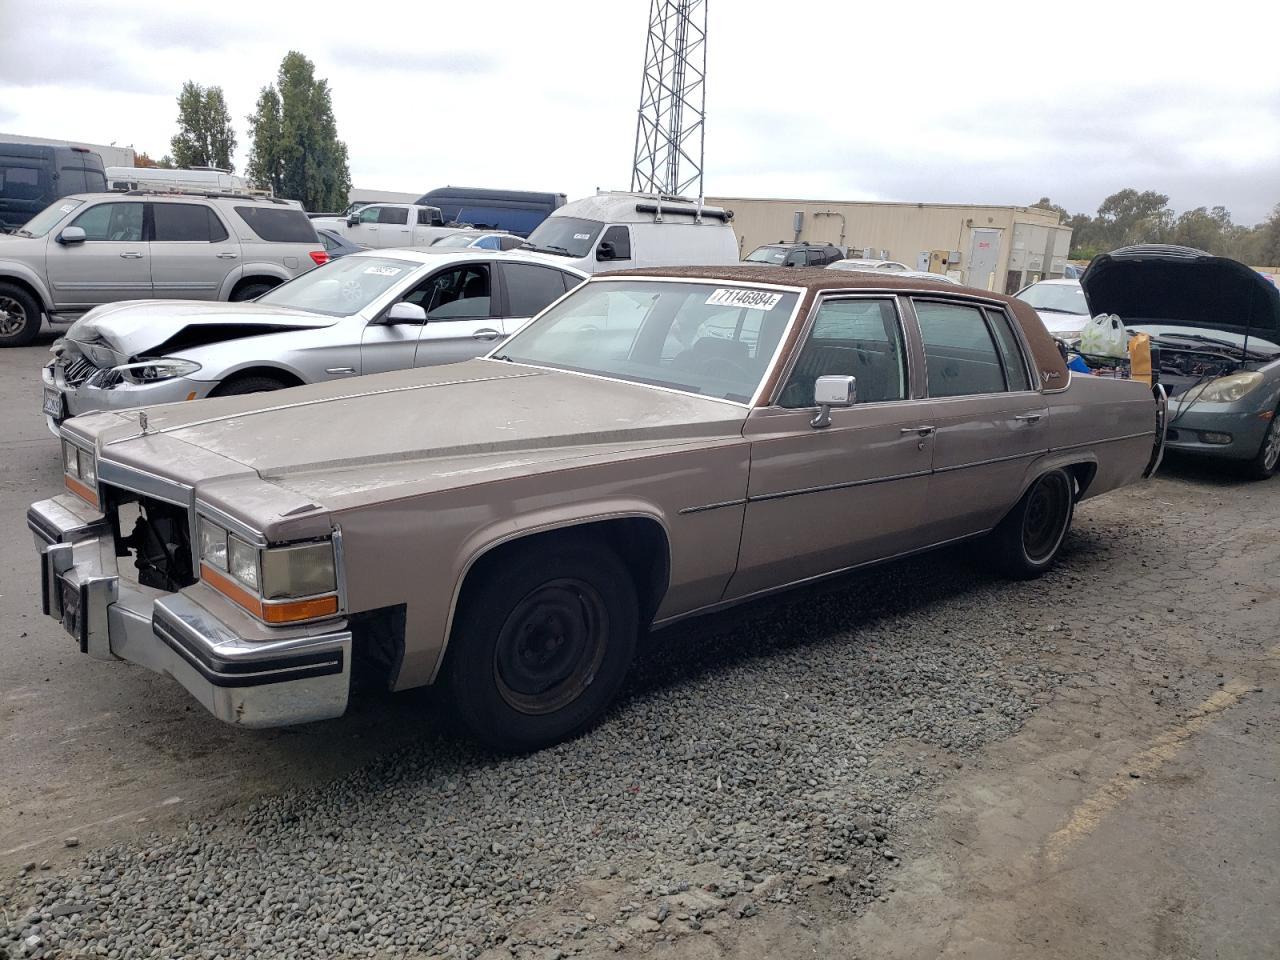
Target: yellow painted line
1091 812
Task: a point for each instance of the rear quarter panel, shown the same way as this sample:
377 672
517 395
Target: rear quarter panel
1108 422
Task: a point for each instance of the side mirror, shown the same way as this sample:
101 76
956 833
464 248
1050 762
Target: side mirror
71 235
606 251
831 392
353 220
405 312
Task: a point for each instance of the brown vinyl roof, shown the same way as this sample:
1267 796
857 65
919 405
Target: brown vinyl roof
1044 349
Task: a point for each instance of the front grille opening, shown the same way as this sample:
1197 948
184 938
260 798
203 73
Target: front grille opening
157 536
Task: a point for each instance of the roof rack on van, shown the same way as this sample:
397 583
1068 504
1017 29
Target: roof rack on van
665 210
210 194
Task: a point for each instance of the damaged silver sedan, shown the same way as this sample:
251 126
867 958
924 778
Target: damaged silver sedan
366 313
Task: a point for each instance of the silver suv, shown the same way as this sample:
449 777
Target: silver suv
93 248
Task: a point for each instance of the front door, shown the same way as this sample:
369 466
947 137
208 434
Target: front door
991 420
191 251
462 315
113 263
822 499
364 232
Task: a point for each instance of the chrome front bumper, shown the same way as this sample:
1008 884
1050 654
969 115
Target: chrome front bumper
279 677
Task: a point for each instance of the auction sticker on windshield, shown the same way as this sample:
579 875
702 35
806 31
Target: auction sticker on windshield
748 299
382 271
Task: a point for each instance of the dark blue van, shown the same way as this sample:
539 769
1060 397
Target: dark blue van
516 211
33 175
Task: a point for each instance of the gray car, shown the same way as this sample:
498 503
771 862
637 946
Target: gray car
94 248
368 312
1216 323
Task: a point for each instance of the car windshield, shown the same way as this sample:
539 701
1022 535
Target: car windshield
767 255
43 221
340 287
1059 297
702 338
566 236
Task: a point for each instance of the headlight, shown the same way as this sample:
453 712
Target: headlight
278 585
153 371
1230 388
80 472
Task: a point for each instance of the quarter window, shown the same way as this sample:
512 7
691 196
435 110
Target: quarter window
121 222
1015 368
851 338
279 224
960 355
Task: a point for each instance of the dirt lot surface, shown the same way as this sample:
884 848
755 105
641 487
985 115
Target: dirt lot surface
919 761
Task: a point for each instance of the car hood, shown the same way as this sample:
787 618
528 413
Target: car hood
1161 283
1067 325
157 327
344 444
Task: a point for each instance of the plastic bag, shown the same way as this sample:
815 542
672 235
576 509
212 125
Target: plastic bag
1104 336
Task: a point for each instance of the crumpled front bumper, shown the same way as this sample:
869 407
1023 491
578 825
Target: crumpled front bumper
85 397
241 671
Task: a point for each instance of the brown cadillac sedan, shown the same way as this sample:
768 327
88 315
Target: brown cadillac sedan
654 445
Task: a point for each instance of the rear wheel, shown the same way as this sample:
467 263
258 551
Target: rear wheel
1264 464
19 316
255 384
1028 540
250 291
541 644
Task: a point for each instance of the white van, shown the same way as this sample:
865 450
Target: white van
199 179
617 231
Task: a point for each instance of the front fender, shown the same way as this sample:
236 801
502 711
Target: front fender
18 270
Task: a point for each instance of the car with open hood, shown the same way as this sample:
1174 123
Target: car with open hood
655 445
1216 325
367 312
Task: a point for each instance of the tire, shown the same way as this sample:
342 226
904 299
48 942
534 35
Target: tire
234 388
541 644
19 316
1028 540
1267 459
250 291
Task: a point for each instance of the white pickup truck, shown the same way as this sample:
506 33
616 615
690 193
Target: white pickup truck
390 225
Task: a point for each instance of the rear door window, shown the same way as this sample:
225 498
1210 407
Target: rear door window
961 358
531 288
279 224
393 215
182 222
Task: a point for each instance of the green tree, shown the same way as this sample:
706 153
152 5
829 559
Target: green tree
205 137
1268 252
1044 203
1203 229
295 149
1128 216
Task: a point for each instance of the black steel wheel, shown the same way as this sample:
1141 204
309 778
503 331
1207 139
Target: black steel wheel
1028 540
541 643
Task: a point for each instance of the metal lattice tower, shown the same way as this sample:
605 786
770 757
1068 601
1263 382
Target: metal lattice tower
673 100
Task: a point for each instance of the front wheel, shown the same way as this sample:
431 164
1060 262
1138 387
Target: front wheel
1028 540
19 316
1264 464
542 641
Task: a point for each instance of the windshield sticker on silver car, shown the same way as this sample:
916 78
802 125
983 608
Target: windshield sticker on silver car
748 299
582 236
382 271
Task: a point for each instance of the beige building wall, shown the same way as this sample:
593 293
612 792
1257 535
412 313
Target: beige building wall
991 241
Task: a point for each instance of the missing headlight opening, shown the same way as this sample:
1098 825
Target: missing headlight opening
159 540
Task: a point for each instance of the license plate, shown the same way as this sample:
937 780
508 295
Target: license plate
52 404
71 612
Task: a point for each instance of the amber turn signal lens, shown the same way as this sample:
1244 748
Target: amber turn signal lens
295 610
81 490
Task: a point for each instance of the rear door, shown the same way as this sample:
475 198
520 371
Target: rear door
394 229
113 263
191 251
989 422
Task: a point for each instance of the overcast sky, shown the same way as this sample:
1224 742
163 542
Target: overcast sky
1000 103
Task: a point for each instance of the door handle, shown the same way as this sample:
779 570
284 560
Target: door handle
227 256
486 335
130 256
1029 417
923 431
337 371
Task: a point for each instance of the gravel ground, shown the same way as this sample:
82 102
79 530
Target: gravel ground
753 758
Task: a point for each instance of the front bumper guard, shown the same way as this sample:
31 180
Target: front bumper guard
296 676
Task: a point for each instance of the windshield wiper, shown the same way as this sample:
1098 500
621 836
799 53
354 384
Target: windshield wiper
1226 344
502 356
23 233
1058 310
550 248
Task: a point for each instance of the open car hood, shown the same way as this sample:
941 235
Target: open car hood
1161 283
